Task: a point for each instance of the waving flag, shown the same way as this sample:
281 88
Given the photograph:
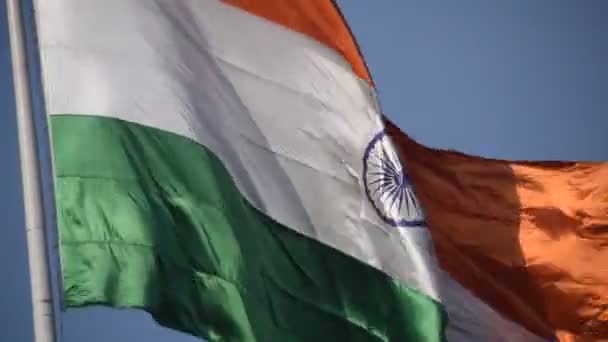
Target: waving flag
209 164
224 165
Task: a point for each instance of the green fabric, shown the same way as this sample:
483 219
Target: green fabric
152 220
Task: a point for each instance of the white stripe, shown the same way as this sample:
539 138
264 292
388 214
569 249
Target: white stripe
472 320
285 114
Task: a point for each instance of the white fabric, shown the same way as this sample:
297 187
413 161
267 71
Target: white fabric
470 319
285 114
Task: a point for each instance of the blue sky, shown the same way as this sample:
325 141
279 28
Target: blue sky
514 79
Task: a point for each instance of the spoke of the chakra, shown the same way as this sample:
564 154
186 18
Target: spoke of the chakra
395 188
384 159
390 194
385 179
388 165
407 202
386 162
384 169
376 173
394 201
382 181
387 194
381 187
414 203
401 195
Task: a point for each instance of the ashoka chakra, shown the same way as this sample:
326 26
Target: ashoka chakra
388 186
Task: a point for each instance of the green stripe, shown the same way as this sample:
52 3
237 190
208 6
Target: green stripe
152 220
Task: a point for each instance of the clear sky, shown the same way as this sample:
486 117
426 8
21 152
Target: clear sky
515 79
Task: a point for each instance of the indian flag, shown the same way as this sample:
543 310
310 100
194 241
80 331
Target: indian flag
225 166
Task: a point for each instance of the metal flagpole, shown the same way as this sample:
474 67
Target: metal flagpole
40 275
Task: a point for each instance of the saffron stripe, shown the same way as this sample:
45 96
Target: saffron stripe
502 228
318 19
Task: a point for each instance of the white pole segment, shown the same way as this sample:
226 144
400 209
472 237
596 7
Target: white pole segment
42 306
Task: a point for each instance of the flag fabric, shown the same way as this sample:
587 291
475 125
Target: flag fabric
225 166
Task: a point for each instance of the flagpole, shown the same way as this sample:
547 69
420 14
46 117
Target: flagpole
40 275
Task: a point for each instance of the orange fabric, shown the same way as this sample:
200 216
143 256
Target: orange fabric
529 238
319 19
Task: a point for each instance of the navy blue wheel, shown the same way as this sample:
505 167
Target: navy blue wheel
388 186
